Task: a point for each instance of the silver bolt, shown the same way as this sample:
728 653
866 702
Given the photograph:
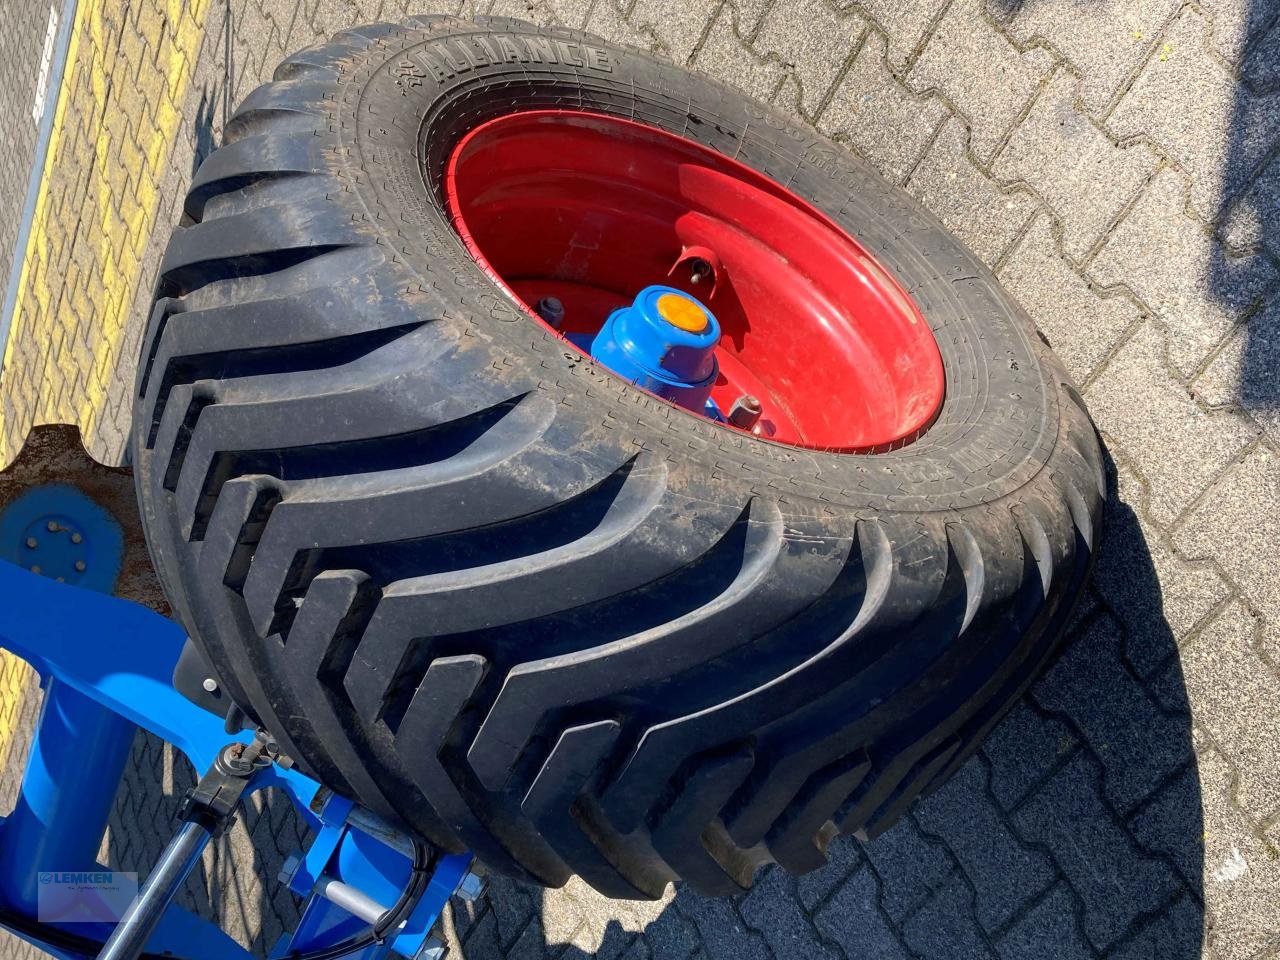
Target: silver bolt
699 270
745 412
432 949
32 543
210 685
81 566
77 538
289 868
52 526
470 887
37 569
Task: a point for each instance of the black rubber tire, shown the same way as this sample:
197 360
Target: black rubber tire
490 589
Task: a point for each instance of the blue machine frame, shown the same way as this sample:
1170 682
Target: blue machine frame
106 667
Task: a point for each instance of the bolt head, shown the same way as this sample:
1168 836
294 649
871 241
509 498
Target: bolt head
745 412
432 949
210 685
551 310
77 538
32 543
290 868
52 526
471 887
81 566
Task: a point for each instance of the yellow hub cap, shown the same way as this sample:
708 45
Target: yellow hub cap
682 313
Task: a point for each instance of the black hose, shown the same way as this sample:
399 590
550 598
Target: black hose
419 877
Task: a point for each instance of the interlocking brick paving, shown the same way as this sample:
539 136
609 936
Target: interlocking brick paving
1117 163
22 51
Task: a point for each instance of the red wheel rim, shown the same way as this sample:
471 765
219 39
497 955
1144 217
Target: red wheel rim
590 209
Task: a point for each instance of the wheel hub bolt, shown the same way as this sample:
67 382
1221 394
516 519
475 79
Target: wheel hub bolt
745 412
551 310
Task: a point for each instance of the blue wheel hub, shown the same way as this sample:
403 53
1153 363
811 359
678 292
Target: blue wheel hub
664 342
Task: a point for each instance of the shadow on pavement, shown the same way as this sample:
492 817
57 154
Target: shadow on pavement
1076 831
1247 372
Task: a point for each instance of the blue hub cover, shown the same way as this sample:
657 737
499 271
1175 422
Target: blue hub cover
665 343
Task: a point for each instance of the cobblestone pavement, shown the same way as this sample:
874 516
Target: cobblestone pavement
22 46
1116 162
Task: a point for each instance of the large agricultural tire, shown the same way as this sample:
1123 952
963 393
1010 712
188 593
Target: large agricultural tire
491 589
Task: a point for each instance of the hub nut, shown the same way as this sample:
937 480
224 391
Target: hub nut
289 868
551 310
470 887
745 412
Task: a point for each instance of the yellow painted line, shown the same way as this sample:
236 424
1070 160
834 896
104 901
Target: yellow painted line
122 97
40 218
118 116
16 675
126 222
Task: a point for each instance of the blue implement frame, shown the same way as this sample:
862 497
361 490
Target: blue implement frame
106 666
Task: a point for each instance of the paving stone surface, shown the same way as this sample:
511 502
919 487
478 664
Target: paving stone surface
1146 421
1242 375
872 113
974 206
1069 160
22 50
1038 273
1103 43
1048 929
980 71
1223 139
1117 162
1198 290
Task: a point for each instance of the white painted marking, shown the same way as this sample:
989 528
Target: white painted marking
46 60
1233 868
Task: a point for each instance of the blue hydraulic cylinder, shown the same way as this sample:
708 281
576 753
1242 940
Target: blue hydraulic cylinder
664 342
79 747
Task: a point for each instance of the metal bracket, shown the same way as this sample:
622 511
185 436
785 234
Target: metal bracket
206 812
107 664
215 798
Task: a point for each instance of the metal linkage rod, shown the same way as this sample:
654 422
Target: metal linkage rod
206 812
130 936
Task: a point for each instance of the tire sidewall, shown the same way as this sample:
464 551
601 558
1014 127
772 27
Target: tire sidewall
405 105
